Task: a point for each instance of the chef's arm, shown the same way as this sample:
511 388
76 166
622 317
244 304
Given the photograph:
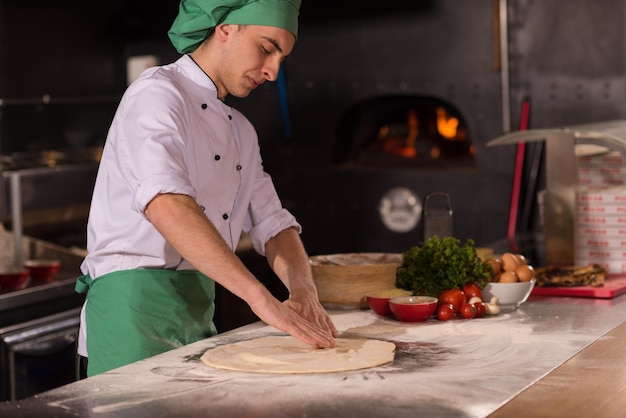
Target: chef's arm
183 224
289 260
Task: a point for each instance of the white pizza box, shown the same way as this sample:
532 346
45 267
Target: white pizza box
609 159
586 231
610 266
602 171
602 207
600 195
607 221
601 210
596 179
601 254
595 206
595 242
605 169
600 226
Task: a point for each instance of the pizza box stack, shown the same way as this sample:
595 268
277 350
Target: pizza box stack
606 169
600 211
601 227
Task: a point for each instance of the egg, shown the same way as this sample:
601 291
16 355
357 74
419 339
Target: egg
496 266
521 259
509 262
508 277
525 273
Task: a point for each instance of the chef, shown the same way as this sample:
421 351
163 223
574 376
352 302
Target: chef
180 179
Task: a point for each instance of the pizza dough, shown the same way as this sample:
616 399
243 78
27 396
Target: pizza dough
286 354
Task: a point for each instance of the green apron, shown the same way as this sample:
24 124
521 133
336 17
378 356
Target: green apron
135 314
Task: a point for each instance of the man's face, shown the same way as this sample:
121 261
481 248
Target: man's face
252 55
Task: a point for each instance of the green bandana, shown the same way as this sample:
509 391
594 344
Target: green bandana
197 18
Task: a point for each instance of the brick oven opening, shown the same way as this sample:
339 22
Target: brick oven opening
403 131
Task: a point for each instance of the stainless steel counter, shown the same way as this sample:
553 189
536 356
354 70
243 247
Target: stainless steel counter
459 368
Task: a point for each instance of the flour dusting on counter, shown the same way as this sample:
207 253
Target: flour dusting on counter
440 366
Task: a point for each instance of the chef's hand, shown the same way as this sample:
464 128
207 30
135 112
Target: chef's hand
311 310
313 327
289 260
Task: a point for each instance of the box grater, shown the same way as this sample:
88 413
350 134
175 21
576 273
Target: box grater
437 216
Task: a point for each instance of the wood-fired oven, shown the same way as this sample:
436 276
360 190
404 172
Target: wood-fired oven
387 153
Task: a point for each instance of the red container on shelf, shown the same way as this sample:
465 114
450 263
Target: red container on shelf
41 270
13 279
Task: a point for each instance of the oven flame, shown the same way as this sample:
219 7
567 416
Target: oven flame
403 147
447 125
403 131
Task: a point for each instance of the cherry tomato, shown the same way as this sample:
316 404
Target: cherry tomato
472 290
454 297
468 311
445 312
480 309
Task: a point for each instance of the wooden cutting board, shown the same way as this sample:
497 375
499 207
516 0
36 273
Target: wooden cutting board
614 285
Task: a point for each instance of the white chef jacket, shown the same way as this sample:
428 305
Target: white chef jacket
171 134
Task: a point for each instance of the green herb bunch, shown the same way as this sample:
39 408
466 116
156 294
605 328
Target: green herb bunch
441 264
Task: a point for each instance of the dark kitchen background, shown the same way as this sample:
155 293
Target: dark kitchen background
335 129
63 69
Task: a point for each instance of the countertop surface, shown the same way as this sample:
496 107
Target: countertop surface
457 368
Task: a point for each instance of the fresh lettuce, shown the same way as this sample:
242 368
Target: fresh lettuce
441 264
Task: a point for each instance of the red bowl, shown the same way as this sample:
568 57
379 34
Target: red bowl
379 305
378 301
413 308
42 270
13 279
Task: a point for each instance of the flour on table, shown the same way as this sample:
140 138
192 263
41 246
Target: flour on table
286 354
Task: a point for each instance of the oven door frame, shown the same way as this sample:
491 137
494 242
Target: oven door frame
40 337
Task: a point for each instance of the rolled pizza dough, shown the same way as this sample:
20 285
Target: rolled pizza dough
286 354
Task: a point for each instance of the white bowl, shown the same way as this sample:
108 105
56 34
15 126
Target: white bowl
510 295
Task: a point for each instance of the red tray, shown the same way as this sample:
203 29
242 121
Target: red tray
614 285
